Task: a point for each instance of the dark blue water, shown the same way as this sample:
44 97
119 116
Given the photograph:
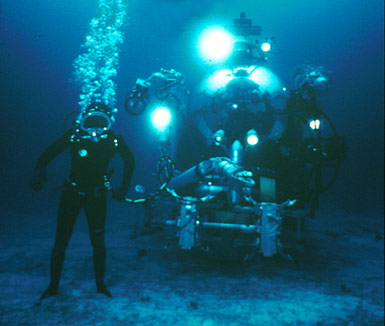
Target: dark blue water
40 40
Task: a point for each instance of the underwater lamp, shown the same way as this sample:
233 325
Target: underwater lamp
161 118
216 44
219 137
315 124
266 46
252 138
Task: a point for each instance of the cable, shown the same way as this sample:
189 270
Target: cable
169 191
161 188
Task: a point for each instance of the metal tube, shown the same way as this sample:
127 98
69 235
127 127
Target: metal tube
183 180
227 226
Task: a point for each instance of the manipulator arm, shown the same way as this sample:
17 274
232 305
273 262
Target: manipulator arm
166 85
217 166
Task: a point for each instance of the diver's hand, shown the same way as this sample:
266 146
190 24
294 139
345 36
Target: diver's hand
37 180
120 193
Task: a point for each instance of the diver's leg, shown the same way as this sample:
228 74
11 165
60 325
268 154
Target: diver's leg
68 211
96 209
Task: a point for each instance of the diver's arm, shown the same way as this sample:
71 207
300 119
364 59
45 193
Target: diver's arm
58 147
129 164
39 172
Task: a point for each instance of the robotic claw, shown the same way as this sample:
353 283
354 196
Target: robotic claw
250 157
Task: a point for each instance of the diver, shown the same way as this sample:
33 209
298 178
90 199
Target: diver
92 144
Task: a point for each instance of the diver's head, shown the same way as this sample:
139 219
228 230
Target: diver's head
95 121
315 78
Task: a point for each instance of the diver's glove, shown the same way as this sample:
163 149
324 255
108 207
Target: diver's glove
38 178
120 193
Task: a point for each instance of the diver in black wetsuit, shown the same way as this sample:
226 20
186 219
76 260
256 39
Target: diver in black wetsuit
92 145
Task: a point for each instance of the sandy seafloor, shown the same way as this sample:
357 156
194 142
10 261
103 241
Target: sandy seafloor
335 278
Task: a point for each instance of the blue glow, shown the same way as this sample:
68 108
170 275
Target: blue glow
83 152
266 79
216 44
218 80
266 46
161 118
97 66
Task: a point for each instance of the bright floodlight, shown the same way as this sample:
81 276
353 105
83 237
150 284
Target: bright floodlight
216 44
266 46
161 118
252 138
